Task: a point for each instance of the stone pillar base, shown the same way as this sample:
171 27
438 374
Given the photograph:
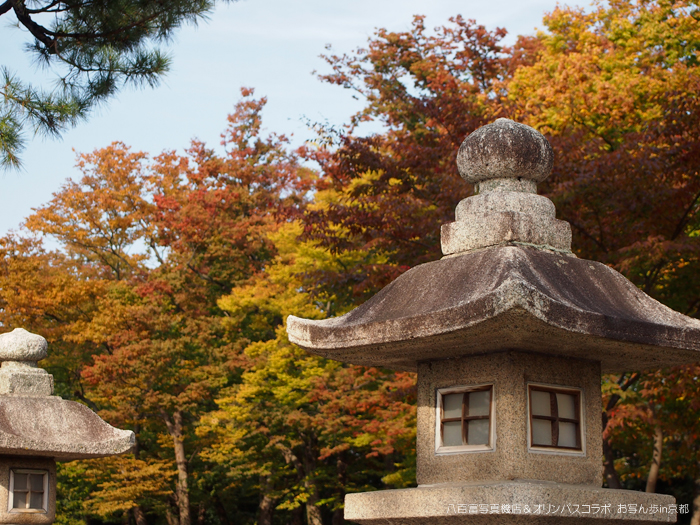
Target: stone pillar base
508 502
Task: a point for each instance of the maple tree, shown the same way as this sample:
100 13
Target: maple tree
305 430
395 188
615 91
284 426
173 347
157 244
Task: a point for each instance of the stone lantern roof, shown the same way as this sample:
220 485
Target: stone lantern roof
33 422
508 279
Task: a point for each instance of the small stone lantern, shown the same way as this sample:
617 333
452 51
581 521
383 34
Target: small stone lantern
37 429
509 333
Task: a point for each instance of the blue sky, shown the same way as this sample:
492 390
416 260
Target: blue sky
270 45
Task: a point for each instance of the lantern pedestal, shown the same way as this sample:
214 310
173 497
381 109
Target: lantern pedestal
508 502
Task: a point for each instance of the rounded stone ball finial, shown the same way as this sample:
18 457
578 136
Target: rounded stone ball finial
505 149
20 345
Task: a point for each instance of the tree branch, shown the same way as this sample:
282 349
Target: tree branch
290 458
87 401
37 31
609 458
684 220
109 34
585 233
46 8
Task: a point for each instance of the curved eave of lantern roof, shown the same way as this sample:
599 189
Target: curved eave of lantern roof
55 427
506 298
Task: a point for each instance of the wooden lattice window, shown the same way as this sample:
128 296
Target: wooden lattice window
29 490
555 418
466 417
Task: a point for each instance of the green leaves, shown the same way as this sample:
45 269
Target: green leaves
22 106
95 49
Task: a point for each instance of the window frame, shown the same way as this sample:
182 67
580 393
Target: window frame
11 492
577 392
441 449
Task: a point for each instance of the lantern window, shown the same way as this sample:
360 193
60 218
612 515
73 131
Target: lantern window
465 419
555 418
29 490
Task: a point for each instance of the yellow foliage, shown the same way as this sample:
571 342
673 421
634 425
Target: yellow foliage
125 482
608 71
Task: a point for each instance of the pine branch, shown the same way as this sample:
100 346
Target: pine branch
39 32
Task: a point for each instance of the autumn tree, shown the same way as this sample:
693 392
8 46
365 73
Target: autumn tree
293 425
175 349
429 90
300 429
158 243
96 47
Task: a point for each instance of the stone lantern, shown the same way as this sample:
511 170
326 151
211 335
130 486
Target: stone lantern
37 429
509 333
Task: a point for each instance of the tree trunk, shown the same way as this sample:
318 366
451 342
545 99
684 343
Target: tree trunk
221 511
183 495
695 519
339 514
609 471
170 516
656 459
313 513
609 466
266 506
139 516
297 517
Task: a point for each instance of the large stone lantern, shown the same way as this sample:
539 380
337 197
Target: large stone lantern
509 333
37 429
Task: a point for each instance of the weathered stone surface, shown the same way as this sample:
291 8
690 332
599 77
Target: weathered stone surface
510 373
506 298
505 149
505 201
33 422
438 504
20 345
19 374
21 379
483 230
54 427
506 184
